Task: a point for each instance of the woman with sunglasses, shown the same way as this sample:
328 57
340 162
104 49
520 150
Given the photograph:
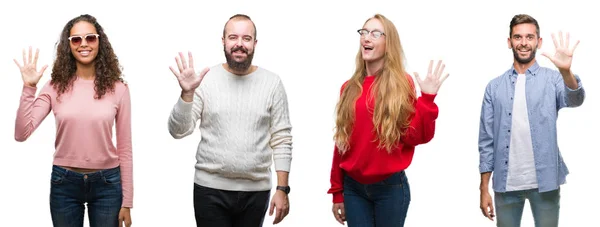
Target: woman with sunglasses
88 97
379 122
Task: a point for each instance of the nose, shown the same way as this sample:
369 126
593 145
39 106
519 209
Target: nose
523 42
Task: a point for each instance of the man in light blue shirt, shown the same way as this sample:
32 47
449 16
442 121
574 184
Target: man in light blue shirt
517 134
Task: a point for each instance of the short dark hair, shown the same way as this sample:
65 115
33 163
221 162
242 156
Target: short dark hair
241 16
524 19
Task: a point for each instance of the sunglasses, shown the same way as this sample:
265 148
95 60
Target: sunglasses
89 38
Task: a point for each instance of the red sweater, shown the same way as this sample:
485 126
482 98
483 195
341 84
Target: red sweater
366 163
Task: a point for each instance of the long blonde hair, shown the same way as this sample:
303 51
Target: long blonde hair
393 92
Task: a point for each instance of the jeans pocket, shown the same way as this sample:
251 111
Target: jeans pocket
112 178
56 178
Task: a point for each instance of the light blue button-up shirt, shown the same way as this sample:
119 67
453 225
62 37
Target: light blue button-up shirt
546 93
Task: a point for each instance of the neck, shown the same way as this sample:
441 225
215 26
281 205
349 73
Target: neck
521 68
250 69
86 72
374 67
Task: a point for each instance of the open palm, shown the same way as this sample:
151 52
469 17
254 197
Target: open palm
432 83
563 56
29 73
188 80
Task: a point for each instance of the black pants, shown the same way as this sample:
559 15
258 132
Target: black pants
221 208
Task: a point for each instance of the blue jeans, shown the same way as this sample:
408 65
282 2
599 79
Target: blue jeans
544 206
381 204
70 191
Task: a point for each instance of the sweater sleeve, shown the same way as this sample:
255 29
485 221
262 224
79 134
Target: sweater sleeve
32 111
337 178
422 123
124 147
281 137
184 116
337 175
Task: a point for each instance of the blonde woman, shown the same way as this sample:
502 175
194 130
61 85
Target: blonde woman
379 122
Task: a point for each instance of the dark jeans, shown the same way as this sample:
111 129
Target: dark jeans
381 204
70 191
214 207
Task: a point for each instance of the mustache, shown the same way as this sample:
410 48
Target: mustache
524 47
239 48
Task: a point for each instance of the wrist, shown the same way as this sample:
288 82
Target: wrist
285 189
187 96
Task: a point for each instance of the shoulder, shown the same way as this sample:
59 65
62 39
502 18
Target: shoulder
121 89
268 74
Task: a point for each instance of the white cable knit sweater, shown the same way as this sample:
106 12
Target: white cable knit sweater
244 125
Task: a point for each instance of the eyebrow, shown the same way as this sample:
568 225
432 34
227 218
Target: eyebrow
90 33
372 30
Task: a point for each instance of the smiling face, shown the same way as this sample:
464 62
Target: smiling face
84 42
372 41
524 42
239 43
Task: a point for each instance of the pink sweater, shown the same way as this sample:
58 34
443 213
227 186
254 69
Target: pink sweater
83 127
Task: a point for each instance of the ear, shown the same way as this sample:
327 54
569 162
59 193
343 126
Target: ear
223 40
540 43
509 44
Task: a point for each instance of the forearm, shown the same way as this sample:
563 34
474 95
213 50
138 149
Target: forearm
31 113
422 125
182 120
282 178
569 79
485 181
336 178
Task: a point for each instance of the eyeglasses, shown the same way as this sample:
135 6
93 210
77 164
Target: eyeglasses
89 38
375 34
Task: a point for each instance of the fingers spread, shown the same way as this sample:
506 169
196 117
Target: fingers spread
174 72
179 63
183 60
554 40
16 62
43 69
37 51
191 59
29 60
575 46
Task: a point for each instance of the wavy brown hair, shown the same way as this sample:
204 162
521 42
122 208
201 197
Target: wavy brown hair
106 64
392 89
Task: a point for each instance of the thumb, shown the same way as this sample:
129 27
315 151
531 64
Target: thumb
546 54
204 72
43 69
419 81
272 208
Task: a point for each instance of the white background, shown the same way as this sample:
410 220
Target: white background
312 46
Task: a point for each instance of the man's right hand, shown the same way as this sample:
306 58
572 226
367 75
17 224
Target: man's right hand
339 212
188 80
486 205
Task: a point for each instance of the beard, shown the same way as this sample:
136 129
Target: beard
235 65
524 60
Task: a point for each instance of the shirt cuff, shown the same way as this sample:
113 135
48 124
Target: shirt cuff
183 107
338 197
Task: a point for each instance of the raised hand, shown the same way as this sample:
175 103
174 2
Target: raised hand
188 80
432 83
29 71
563 56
